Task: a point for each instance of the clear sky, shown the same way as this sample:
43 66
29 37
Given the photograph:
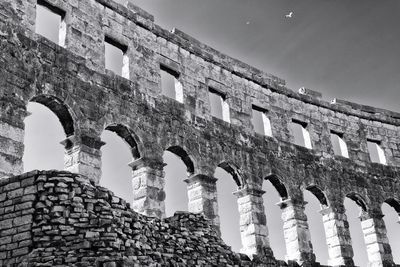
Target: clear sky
344 49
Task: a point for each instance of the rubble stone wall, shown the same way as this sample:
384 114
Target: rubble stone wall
72 81
60 218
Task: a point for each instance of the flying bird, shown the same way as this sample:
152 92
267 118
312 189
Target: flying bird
290 15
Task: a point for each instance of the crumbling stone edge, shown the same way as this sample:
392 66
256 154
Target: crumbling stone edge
60 218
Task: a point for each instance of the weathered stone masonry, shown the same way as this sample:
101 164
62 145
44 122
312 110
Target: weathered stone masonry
60 218
72 82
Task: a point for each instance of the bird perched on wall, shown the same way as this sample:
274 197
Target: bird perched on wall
290 15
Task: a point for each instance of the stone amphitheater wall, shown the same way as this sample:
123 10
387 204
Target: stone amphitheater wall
72 81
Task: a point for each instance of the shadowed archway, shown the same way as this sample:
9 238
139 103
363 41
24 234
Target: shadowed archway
275 192
233 171
183 155
60 109
228 182
122 146
391 212
178 167
279 186
355 206
51 122
128 136
316 200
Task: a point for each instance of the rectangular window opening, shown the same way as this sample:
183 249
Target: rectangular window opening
376 153
300 133
260 121
339 145
219 106
50 22
116 58
170 84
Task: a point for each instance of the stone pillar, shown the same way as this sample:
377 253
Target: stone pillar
148 187
12 115
337 237
253 222
378 248
202 195
296 232
83 156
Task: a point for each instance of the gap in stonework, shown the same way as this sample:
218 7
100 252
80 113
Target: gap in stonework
113 58
228 209
357 237
116 173
316 226
176 197
391 218
43 134
50 23
273 214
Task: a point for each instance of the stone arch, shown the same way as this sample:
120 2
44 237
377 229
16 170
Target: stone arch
279 186
57 128
394 204
314 199
356 212
319 194
233 170
359 200
276 193
391 217
117 170
128 136
184 156
178 166
62 111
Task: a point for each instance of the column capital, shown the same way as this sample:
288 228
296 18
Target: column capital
290 202
146 162
69 142
83 156
325 211
366 215
245 191
200 178
89 141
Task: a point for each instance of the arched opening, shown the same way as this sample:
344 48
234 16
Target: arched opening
128 136
178 167
228 182
120 149
394 204
59 109
355 206
391 210
233 171
316 200
181 153
275 192
50 123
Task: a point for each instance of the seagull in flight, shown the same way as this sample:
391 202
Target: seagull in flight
290 15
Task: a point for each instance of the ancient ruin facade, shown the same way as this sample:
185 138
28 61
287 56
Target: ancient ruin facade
70 78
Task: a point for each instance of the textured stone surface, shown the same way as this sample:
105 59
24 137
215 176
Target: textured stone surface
69 221
72 81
